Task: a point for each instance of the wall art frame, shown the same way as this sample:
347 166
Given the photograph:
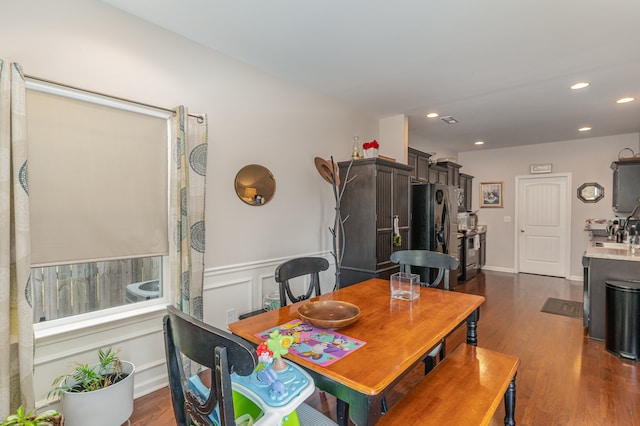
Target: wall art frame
491 194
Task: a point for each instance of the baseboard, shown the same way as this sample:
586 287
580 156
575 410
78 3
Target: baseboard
498 269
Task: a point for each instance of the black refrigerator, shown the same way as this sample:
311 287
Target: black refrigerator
434 223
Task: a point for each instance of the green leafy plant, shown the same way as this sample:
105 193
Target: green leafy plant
397 240
87 378
30 418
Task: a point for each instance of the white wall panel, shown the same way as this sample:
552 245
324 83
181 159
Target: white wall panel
242 287
140 338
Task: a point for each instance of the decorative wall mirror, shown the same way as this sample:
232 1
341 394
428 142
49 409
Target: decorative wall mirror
590 192
255 185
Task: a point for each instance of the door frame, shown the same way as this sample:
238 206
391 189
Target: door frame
567 219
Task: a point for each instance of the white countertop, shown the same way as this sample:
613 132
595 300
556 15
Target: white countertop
626 253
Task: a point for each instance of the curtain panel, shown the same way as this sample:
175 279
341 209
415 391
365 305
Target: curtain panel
187 205
16 316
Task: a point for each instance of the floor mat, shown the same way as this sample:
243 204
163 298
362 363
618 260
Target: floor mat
568 308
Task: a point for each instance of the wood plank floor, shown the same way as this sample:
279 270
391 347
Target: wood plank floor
564 378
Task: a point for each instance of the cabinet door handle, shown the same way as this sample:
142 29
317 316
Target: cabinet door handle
522 230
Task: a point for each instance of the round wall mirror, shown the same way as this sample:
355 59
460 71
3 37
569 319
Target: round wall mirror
255 185
590 192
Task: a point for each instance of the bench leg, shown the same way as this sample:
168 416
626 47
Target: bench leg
510 403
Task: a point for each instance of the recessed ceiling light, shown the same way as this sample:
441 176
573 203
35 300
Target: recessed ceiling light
624 100
479 142
584 129
580 85
432 115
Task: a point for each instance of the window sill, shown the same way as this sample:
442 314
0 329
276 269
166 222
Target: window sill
87 323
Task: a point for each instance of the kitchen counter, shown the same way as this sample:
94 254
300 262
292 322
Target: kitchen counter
602 264
624 252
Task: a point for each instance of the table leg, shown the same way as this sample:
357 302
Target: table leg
342 412
472 323
510 403
352 405
361 410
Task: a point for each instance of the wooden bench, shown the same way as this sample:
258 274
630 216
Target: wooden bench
463 389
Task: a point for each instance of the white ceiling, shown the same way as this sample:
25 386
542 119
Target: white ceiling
501 67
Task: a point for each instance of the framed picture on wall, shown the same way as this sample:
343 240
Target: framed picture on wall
491 194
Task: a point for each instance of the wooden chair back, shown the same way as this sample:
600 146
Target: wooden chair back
210 347
427 259
299 267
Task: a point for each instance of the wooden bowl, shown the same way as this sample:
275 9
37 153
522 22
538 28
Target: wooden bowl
329 313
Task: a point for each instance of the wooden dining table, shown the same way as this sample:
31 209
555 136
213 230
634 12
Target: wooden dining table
398 334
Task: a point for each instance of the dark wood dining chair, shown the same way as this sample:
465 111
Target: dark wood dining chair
222 353
441 262
295 268
210 347
299 267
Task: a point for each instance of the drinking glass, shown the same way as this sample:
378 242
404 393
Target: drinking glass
405 286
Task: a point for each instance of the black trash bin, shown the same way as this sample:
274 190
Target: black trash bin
622 319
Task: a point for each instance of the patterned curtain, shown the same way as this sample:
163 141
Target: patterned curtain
187 194
16 315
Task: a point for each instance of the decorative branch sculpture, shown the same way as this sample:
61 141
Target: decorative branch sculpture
338 223
331 175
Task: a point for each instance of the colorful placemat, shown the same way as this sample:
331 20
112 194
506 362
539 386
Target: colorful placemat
318 345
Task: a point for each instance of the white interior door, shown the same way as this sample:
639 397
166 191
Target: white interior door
544 215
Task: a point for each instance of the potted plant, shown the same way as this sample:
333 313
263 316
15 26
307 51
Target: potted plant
99 394
32 418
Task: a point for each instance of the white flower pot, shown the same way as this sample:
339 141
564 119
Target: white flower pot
370 153
110 406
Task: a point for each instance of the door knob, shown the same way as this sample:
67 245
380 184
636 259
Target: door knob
522 230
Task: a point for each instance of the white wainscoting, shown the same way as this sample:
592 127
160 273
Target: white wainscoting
140 336
233 290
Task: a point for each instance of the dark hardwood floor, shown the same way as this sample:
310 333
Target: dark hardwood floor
564 378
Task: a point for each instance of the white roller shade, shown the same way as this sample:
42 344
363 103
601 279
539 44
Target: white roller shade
97 180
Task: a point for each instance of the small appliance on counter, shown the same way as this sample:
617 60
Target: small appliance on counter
598 227
467 221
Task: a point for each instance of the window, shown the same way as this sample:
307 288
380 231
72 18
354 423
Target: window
64 290
98 186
